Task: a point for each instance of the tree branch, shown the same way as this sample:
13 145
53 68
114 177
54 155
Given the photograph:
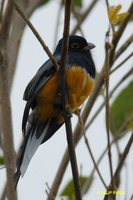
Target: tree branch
107 64
6 20
77 17
7 133
121 63
57 24
124 46
6 122
3 194
65 103
16 33
46 49
89 149
121 162
1 10
84 16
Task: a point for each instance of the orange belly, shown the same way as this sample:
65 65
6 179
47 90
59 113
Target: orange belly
79 84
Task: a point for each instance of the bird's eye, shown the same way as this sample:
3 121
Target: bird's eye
75 45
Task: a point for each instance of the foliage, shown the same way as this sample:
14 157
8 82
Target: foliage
115 16
68 191
77 3
121 120
2 160
45 1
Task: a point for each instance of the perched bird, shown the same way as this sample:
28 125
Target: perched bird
43 114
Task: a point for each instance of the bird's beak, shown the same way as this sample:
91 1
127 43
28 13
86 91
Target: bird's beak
89 47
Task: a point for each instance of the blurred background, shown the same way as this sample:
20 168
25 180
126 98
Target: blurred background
44 165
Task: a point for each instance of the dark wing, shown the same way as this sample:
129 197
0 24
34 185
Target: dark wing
45 72
42 76
36 135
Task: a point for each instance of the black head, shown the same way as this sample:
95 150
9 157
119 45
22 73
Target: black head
79 53
76 44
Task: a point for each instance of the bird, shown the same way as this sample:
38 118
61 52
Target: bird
43 113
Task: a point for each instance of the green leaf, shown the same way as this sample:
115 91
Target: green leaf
121 17
45 1
114 16
77 3
2 162
87 183
113 12
69 188
121 120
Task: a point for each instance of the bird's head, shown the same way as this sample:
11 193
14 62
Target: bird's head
76 44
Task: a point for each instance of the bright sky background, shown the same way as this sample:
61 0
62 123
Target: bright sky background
45 162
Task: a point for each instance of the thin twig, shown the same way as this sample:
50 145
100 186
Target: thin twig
57 24
3 167
47 192
66 113
16 33
121 63
3 194
121 162
37 35
6 119
124 46
6 20
89 148
1 9
126 181
124 126
7 139
107 63
131 198
60 174
77 17
84 16
97 163
1 147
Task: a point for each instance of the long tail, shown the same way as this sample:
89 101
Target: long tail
36 135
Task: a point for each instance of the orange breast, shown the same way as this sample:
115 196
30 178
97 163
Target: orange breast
80 86
46 98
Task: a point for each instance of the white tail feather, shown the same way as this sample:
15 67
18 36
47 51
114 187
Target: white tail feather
31 147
